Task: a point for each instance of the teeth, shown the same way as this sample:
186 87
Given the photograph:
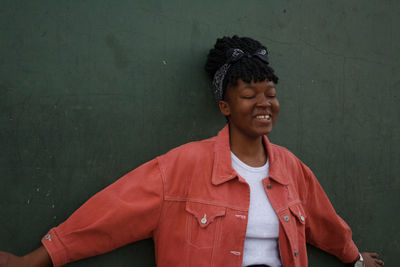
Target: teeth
263 117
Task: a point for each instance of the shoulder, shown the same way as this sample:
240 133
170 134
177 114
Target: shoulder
191 151
288 159
283 154
291 170
281 151
181 164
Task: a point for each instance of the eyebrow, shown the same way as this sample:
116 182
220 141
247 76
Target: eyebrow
269 86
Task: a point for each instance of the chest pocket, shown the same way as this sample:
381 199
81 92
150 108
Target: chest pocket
203 224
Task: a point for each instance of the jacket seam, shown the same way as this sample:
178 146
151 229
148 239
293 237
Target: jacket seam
306 199
218 204
65 254
163 192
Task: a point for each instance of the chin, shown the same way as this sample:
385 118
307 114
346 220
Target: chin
265 131
262 132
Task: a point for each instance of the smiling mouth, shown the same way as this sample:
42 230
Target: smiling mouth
263 117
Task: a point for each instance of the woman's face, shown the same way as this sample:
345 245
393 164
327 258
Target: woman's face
251 108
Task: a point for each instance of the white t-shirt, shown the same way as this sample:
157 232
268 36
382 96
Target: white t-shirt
261 243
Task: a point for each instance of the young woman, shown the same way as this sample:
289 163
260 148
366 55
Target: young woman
232 200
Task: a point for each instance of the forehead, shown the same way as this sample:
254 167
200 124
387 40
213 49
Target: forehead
241 85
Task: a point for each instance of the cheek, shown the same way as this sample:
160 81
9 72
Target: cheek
243 109
277 107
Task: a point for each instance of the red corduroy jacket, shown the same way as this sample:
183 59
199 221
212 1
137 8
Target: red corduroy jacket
195 207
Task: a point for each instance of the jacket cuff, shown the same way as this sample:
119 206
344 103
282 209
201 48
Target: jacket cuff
55 248
350 253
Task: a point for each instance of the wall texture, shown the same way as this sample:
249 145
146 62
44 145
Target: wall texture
91 89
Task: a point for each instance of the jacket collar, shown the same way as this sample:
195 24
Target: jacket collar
222 169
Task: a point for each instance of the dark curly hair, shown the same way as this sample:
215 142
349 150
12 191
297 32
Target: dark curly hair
247 68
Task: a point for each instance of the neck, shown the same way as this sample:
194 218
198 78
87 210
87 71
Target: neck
249 150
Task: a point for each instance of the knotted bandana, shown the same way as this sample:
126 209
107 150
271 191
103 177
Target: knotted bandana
233 55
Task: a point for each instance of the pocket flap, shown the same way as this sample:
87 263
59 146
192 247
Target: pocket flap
204 213
298 212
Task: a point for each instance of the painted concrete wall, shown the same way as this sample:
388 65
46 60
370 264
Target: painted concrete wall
91 89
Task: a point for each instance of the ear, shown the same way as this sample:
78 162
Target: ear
224 108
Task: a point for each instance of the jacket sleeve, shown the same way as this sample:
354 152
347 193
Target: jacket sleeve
324 228
126 211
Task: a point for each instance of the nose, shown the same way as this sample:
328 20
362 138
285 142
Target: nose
263 101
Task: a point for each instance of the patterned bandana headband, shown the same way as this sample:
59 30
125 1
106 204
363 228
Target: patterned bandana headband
233 55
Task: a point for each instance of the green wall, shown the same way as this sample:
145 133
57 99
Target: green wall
91 89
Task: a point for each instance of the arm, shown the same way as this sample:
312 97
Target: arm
124 212
324 228
37 258
327 231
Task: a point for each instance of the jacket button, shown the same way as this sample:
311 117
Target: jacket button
302 218
269 186
47 237
296 253
286 218
204 219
